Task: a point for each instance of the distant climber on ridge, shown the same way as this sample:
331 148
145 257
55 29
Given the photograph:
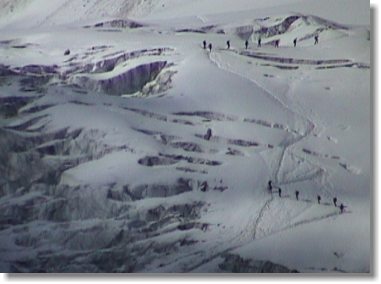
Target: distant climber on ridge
342 208
318 198
295 40
269 186
246 44
204 44
280 192
316 39
228 44
208 134
335 201
204 186
297 195
259 42
210 47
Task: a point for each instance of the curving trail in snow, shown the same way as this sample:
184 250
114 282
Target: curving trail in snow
218 59
130 148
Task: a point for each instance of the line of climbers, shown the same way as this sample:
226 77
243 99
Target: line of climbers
270 189
259 43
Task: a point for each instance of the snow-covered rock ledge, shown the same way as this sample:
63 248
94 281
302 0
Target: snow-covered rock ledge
127 82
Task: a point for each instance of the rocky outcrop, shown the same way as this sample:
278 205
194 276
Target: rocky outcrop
117 23
236 264
128 82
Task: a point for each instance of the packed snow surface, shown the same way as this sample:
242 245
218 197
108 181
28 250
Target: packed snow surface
125 146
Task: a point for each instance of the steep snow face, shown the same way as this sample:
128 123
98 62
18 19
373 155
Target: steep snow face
128 147
28 13
16 14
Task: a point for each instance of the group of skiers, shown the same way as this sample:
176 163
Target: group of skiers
259 44
270 189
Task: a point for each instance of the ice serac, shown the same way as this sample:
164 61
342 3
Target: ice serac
128 82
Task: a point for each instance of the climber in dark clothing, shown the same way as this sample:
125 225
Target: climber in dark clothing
210 47
204 44
246 44
316 39
204 186
342 208
270 186
319 198
295 40
297 195
280 192
228 44
208 134
335 201
277 43
259 42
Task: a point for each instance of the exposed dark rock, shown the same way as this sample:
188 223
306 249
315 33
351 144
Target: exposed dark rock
117 23
243 143
118 195
234 152
160 190
278 29
192 160
187 146
35 69
208 115
236 264
9 106
151 161
294 60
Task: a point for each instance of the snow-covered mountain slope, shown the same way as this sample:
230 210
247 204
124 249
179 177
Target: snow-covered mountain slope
128 147
29 13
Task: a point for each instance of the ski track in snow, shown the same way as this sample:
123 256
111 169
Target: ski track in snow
256 224
310 128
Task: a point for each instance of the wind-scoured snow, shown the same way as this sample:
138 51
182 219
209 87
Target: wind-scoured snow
127 147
